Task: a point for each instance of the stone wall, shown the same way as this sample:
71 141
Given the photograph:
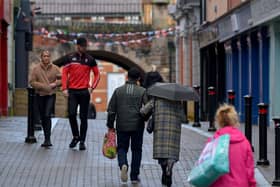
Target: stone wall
21 103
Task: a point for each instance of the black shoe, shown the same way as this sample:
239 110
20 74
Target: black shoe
74 142
168 180
47 143
82 146
163 178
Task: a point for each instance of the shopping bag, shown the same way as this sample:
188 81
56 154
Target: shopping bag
109 147
212 163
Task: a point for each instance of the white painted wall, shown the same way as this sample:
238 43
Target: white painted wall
114 80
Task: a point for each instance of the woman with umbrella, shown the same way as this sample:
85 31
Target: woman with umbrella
168 117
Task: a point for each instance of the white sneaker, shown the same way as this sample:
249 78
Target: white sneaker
124 173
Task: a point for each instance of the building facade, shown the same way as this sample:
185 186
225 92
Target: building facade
239 51
186 13
134 13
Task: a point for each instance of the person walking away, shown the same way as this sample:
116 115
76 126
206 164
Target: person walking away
124 108
45 79
76 87
241 161
168 117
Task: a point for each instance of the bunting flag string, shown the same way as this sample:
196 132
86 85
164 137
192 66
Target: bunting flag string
124 39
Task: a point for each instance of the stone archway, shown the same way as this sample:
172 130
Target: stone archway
110 64
108 56
157 54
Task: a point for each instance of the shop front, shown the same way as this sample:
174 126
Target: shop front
212 67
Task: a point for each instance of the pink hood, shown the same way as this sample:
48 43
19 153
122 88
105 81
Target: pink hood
235 135
240 158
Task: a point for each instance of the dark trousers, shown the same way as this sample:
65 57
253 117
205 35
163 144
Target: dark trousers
46 105
78 98
136 140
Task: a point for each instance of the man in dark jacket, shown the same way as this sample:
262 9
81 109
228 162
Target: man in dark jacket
124 108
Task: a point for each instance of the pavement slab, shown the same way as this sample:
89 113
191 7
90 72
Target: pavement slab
23 164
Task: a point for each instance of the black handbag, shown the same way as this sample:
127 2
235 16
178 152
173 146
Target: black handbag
147 110
150 124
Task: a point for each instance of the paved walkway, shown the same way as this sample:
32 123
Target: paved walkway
23 164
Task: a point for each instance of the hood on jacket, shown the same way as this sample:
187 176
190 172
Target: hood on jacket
236 135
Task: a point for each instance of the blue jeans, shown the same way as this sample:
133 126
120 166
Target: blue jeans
136 138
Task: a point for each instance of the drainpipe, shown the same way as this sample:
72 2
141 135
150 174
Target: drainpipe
240 74
260 66
181 60
177 43
250 65
190 63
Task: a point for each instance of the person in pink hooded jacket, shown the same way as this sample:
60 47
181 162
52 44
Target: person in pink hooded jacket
240 152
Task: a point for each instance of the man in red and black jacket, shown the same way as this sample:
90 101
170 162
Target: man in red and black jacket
76 86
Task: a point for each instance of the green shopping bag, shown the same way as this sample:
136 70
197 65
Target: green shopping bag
212 163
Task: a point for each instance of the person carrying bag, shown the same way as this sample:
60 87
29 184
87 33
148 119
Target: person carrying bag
212 163
109 148
240 156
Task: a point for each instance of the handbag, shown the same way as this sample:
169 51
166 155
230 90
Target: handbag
150 124
109 148
213 162
147 110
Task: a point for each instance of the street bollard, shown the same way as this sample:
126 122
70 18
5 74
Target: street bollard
211 107
231 97
276 181
30 120
263 135
248 119
196 109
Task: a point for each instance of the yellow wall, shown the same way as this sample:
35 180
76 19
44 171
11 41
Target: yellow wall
147 13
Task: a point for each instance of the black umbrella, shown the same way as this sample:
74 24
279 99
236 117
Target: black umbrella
173 91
